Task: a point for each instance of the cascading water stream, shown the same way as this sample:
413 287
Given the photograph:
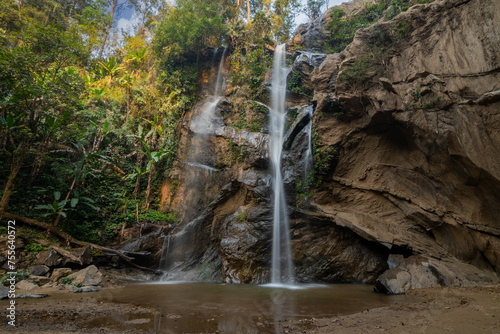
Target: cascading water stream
165 250
308 158
177 247
282 271
205 123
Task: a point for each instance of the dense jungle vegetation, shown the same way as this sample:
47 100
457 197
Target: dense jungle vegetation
89 115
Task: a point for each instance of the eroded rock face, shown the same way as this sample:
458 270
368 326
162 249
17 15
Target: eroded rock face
418 141
245 246
415 178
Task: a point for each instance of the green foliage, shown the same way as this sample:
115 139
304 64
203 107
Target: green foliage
296 85
188 28
396 7
158 216
325 157
416 94
34 247
249 65
303 187
241 217
258 117
431 103
238 153
67 279
19 275
356 74
342 28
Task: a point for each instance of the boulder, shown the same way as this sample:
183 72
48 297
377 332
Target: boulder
88 276
60 272
4 246
417 272
84 254
38 270
26 285
39 279
70 287
395 281
4 292
49 258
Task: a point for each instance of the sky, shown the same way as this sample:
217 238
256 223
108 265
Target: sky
128 19
302 18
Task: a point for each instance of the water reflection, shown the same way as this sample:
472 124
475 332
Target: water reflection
207 308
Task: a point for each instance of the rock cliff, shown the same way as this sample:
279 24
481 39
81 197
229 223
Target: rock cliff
406 132
413 107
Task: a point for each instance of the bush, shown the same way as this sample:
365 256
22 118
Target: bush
158 216
356 74
35 248
20 275
342 29
296 85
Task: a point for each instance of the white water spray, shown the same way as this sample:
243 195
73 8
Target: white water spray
206 122
282 271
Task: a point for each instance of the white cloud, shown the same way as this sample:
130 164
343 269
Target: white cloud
128 25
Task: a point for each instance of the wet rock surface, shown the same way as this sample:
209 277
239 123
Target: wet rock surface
415 171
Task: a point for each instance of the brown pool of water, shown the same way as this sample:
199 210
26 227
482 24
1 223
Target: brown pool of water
225 308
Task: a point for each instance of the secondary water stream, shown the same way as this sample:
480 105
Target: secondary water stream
177 249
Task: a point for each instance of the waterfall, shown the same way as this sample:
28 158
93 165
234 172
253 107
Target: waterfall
205 123
282 270
308 158
164 251
179 248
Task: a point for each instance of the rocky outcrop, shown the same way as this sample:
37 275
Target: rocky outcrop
416 124
49 258
88 276
405 127
26 285
38 270
60 273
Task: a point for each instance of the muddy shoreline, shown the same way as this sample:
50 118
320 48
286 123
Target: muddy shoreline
437 310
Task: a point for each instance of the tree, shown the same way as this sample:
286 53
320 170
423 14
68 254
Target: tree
189 27
38 86
314 8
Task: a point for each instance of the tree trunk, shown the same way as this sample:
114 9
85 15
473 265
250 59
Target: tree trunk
37 163
20 7
69 239
67 197
248 12
113 5
150 179
17 162
138 180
